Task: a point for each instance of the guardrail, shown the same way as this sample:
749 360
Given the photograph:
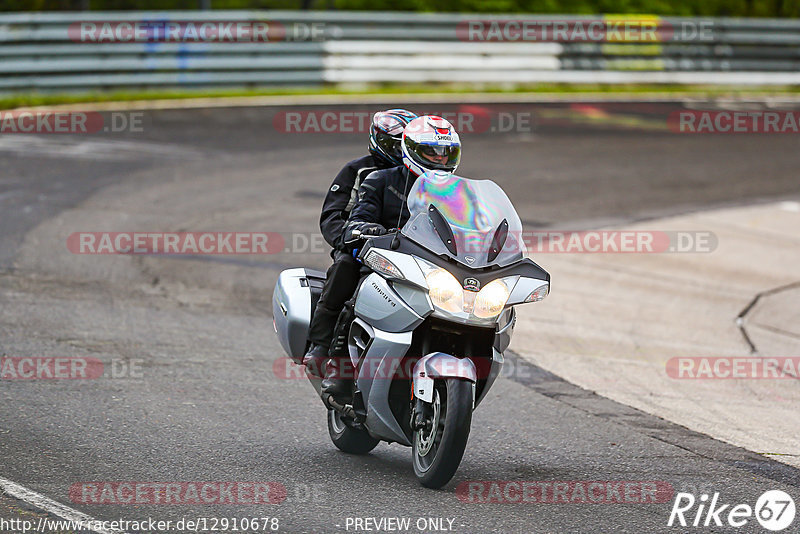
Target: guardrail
63 51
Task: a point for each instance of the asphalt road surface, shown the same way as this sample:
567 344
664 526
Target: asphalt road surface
190 392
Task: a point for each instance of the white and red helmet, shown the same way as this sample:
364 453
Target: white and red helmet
430 143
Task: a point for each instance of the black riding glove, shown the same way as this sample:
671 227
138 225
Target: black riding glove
356 232
372 229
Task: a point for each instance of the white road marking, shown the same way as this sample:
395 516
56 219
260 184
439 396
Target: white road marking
48 505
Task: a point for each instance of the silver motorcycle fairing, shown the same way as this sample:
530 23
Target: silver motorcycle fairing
379 305
406 264
441 365
416 298
369 355
381 357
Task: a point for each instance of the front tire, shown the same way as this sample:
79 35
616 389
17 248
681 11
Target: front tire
349 439
438 450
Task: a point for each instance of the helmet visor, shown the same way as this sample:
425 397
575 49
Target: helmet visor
389 145
387 123
442 158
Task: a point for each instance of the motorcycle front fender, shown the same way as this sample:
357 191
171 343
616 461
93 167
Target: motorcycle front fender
438 365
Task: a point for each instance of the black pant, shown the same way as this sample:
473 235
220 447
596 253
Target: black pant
339 287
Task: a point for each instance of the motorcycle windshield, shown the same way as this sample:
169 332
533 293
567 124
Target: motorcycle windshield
486 229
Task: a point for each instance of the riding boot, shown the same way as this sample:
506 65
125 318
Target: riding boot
339 377
315 359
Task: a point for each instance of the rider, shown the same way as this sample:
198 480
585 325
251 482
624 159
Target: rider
384 146
429 143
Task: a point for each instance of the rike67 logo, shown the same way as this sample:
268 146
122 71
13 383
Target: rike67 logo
774 510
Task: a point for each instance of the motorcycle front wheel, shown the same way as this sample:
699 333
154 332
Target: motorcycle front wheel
439 447
348 439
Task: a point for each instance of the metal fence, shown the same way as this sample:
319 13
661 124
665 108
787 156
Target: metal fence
91 50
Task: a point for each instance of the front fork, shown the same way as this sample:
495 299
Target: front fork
421 414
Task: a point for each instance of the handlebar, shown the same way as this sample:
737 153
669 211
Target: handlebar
357 234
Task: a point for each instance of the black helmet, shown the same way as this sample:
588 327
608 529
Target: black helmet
386 134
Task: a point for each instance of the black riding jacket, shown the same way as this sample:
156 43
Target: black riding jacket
341 197
381 198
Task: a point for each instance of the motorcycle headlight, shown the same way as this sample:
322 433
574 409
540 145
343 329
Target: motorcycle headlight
491 300
447 293
444 290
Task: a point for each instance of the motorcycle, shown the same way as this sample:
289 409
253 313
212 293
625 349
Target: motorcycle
430 321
